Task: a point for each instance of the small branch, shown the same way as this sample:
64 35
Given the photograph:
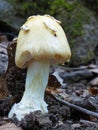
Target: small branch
86 122
88 112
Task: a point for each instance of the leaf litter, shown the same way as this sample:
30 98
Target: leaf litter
72 95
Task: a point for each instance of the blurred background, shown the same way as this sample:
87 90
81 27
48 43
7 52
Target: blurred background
79 21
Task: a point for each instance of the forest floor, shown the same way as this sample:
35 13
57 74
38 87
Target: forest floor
71 95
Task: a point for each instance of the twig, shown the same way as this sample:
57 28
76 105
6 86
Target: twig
75 68
86 122
88 112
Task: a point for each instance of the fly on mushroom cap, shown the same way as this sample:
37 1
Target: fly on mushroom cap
41 41
40 38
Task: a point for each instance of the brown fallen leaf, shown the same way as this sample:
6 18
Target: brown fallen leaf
53 82
9 126
93 90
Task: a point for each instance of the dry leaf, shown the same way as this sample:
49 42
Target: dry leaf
57 75
94 82
94 70
9 126
93 90
53 82
92 66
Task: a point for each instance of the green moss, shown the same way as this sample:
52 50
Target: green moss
72 14
57 5
75 22
25 8
89 57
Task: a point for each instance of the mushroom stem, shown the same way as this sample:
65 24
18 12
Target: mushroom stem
33 97
36 81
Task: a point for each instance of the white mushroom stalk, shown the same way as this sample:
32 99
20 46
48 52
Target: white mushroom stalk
33 97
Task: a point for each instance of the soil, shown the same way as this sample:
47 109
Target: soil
60 116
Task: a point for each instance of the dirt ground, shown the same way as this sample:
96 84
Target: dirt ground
59 117
78 86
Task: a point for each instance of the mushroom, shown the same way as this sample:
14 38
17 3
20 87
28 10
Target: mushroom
41 42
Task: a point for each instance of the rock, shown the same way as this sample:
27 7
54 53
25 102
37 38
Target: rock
81 28
8 18
84 48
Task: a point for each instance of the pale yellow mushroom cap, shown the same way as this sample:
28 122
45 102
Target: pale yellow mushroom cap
41 38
